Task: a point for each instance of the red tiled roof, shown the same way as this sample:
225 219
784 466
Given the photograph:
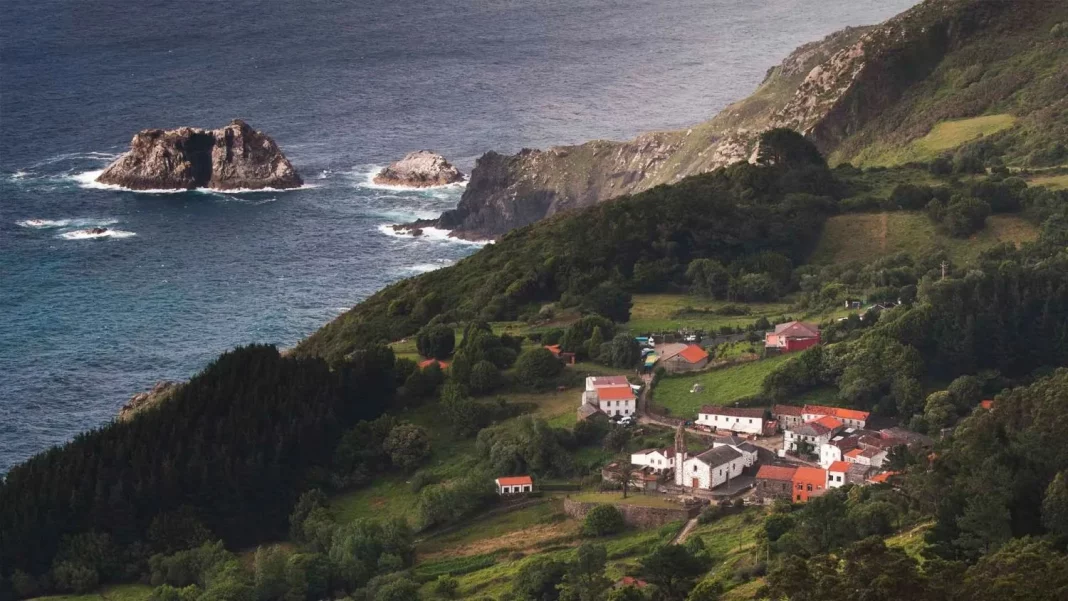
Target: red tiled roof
987 404
514 480
694 353
428 362
733 411
553 348
837 412
828 422
776 472
854 452
883 477
839 466
810 474
632 581
615 393
787 410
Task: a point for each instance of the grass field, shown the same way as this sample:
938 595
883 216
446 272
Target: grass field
911 541
660 312
1055 182
868 236
722 386
616 498
119 592
515 530
945 135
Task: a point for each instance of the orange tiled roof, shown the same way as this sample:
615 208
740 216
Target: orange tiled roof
615 393
693 353
854 452
514 480
828 422
810 474
776 472
837 412
839 466
987 404
429 362
883 477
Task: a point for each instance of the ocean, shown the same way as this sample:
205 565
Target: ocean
344 88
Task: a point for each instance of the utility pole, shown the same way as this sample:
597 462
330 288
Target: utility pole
944 266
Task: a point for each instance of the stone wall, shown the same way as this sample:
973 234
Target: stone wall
638 516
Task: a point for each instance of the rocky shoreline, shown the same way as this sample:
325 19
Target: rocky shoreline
141 401
235 157
419 169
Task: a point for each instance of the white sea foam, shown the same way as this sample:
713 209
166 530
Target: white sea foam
88 235
428 267
433 234
87 180
56 223
19 174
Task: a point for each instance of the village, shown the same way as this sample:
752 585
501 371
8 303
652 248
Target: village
758 454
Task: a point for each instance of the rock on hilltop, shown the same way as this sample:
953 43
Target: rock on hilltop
230 158
420 169
162 391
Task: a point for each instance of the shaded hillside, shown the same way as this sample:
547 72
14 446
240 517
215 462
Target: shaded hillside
859 93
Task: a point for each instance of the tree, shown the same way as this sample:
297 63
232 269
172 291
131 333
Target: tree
584 579
436 341
965 216
537 368
984 526
609 300
446 586
623 352
708 277
706 590
176 530
308 502
1055 506
538 579
485 377
408 445
754 287
785 147
939 411
307 577
595 342
269 573
673 569
602 520
1024 569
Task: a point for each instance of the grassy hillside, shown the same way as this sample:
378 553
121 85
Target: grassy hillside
121 592
945 135
867 236
722 386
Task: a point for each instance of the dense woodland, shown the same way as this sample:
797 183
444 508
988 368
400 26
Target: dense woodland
242 453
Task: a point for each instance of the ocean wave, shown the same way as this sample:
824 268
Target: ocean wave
88 235
432 234
42 224
428 267
87 179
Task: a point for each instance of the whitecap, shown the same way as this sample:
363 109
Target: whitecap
43 223
428 267
19 174
88 235
87 179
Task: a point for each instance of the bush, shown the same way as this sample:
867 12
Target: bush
965 216
408 446
602 520
446 586
437 341
484 377
537 368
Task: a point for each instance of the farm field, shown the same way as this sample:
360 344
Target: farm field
721 386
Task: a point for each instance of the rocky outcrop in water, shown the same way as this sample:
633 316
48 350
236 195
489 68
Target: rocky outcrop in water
230 158
139 402
420 169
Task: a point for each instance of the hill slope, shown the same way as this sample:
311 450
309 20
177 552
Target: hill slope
862 94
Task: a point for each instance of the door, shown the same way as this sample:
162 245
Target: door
697 483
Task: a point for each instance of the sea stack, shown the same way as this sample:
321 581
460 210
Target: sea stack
230 158
420 169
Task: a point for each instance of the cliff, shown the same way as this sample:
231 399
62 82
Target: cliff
837 92
230 158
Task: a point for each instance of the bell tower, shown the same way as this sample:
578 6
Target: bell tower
680 452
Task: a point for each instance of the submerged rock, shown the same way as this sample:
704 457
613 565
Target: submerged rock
420 169
231 158
162 391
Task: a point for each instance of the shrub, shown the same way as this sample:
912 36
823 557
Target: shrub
484 377
537 368
437 341
408 446
446 586
602 520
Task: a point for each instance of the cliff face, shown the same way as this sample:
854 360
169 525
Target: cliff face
829 90
233 157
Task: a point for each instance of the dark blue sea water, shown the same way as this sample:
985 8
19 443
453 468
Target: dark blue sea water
342 87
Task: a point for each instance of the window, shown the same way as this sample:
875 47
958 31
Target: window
809 488
506 489
798 497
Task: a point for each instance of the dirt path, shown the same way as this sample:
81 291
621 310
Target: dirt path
685 532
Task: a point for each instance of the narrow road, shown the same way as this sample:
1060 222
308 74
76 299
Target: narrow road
685 532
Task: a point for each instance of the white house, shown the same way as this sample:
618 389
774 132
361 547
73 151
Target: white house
815 433
848 417
837 474
734 419
659 460
513 485
871 456
835 449
611 394
711 468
